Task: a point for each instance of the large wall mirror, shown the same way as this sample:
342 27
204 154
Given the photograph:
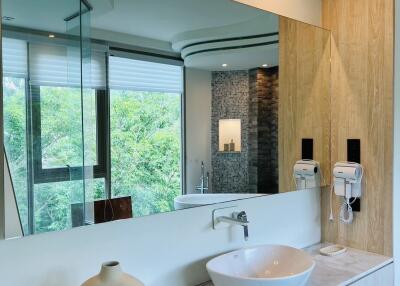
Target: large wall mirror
120 109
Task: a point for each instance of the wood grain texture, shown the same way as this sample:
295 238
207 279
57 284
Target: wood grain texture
362 107
304 99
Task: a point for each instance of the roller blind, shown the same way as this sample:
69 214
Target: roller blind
140 75
15 58
54 65
57 65
98 78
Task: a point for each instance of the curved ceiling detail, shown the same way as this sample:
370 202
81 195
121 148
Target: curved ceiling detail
243 45
229 44
244 58
233 53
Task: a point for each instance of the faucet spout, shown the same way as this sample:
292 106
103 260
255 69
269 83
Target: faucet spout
246 232
238 218
204 181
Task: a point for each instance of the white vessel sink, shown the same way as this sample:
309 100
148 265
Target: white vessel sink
268 265
196 200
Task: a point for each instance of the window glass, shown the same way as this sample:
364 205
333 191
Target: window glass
141 115
146 149
61 127
145 131
54 202
14 109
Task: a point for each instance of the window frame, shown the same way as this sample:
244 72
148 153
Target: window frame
52 175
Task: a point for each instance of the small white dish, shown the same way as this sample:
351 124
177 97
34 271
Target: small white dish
333 250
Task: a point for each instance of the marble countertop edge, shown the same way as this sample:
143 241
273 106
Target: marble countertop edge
344 269
366 273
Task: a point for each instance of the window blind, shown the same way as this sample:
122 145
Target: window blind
57 65
15 58
139 75
54 65
98 76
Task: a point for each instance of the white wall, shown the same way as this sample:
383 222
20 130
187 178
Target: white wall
198 125
308 11
162 250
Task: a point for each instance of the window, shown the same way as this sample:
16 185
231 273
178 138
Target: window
60 140
58 135
44 131
145 119
126 134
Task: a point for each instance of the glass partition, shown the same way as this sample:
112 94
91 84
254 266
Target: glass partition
43 123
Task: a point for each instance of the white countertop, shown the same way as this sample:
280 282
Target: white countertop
342 269
345 268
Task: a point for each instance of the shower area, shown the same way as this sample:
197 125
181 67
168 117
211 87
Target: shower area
53 83
253 97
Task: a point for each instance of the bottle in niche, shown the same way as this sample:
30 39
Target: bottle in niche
232 146
111 274
226 147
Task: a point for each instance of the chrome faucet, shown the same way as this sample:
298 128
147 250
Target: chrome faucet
238 218
204 181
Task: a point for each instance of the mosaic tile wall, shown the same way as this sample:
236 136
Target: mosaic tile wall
251 96
263 130
230 97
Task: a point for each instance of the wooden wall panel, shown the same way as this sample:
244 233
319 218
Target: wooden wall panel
304 99
362 103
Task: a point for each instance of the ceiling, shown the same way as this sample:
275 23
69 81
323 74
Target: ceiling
163 19
163 24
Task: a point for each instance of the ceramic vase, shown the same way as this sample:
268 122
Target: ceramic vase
111 274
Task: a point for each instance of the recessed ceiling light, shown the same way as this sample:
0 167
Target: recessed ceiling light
8 18
52 36
264 65
224 65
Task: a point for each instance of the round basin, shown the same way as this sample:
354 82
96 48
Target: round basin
267 265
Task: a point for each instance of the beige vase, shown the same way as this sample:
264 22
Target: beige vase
111 274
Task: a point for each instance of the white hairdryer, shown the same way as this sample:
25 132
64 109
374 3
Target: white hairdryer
306 174
347 179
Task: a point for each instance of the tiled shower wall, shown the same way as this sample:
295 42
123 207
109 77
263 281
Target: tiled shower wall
251 96
230 97
263 131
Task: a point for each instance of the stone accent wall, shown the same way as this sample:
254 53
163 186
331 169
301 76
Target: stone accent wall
251 96
253 130
263 130
230 96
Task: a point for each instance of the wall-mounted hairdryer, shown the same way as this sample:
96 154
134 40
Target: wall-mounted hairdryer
306 174
347 179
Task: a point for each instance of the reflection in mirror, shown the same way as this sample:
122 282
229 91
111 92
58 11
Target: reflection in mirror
141 107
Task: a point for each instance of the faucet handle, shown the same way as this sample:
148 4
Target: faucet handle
242 216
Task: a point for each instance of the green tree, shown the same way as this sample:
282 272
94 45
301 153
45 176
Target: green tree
145 144
145 149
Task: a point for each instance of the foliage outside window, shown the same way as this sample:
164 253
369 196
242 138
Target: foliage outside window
146 149
46 141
